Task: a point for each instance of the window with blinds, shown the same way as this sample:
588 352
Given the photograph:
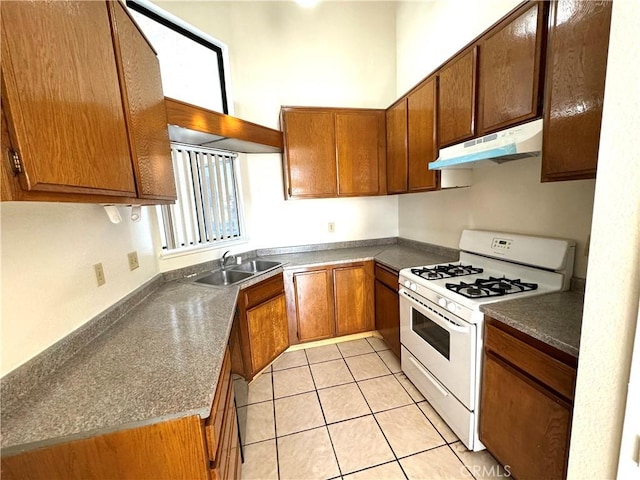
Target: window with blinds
208 209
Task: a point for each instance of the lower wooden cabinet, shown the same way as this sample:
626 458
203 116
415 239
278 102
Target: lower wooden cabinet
387 306
526 403
261 328
183 448
329 301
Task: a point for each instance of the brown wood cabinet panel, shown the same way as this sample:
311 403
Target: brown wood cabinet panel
263 291
213 424
360 147
397 158
268 332
421 137
145 110
314 305
63 98
388 315
553 373
353 293
387 275
171 449
457 99
509 70
577 49
309 153
522 424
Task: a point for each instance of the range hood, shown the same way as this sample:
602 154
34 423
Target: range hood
514 143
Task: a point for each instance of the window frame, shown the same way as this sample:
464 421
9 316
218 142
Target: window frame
174 23
243 237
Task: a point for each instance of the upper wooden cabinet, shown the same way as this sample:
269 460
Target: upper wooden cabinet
509 74
81 91
330 152
421 136
457 99
577 49
397 157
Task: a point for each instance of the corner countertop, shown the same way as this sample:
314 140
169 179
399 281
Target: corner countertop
554 318
161 360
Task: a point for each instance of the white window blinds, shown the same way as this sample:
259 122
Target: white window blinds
207 210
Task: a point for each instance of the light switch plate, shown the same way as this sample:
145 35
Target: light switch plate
99 274
133 260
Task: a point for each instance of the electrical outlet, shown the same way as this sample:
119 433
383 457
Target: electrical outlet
332 227
99 274
133 260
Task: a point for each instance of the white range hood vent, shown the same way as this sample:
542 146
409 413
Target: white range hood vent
514 143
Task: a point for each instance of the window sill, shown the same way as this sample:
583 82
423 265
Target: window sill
202 248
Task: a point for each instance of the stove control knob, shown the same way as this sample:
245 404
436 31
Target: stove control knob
407 283
451 306
413 287
442 302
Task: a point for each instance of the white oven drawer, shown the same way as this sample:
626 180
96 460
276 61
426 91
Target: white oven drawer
460 420
444 343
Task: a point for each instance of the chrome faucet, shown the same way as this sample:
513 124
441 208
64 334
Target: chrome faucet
224 258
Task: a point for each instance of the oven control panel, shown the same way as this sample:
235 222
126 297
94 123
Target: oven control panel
501 244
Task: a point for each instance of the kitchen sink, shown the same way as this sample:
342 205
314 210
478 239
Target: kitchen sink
256 266
223 278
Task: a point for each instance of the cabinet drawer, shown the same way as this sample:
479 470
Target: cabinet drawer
551 372
387 276
264 291
224 392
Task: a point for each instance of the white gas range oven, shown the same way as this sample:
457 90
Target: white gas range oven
441 325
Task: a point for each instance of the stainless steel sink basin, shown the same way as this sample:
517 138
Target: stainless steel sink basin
223 278
256 266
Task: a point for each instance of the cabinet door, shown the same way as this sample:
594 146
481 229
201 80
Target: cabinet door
422 146
268 332
522 424
388 316
574 91
397 148
314 305
457 99
146 114
62 96
509 71
360 143
353 291
309 153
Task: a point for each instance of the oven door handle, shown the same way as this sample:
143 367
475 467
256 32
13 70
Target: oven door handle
430 377
442 322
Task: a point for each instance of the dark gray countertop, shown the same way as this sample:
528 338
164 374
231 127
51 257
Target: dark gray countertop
555 318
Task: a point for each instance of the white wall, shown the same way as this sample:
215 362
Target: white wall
48 283
613 281
508 197
339 54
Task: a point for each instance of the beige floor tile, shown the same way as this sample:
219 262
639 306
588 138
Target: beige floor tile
342 403
437 464
323 353
438 422
260 461
390 360
408 431
297 413
359 444
259 390
377 344
409 387
296 358
330 374
355 347
292 381
367 366
307 455
388 471
256 421
482 464
383 393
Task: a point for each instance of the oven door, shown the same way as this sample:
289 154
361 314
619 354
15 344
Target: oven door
442 342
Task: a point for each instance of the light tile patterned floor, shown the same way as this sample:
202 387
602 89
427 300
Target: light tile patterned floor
347 411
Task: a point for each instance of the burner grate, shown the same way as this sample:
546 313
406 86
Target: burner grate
445 271
491 287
